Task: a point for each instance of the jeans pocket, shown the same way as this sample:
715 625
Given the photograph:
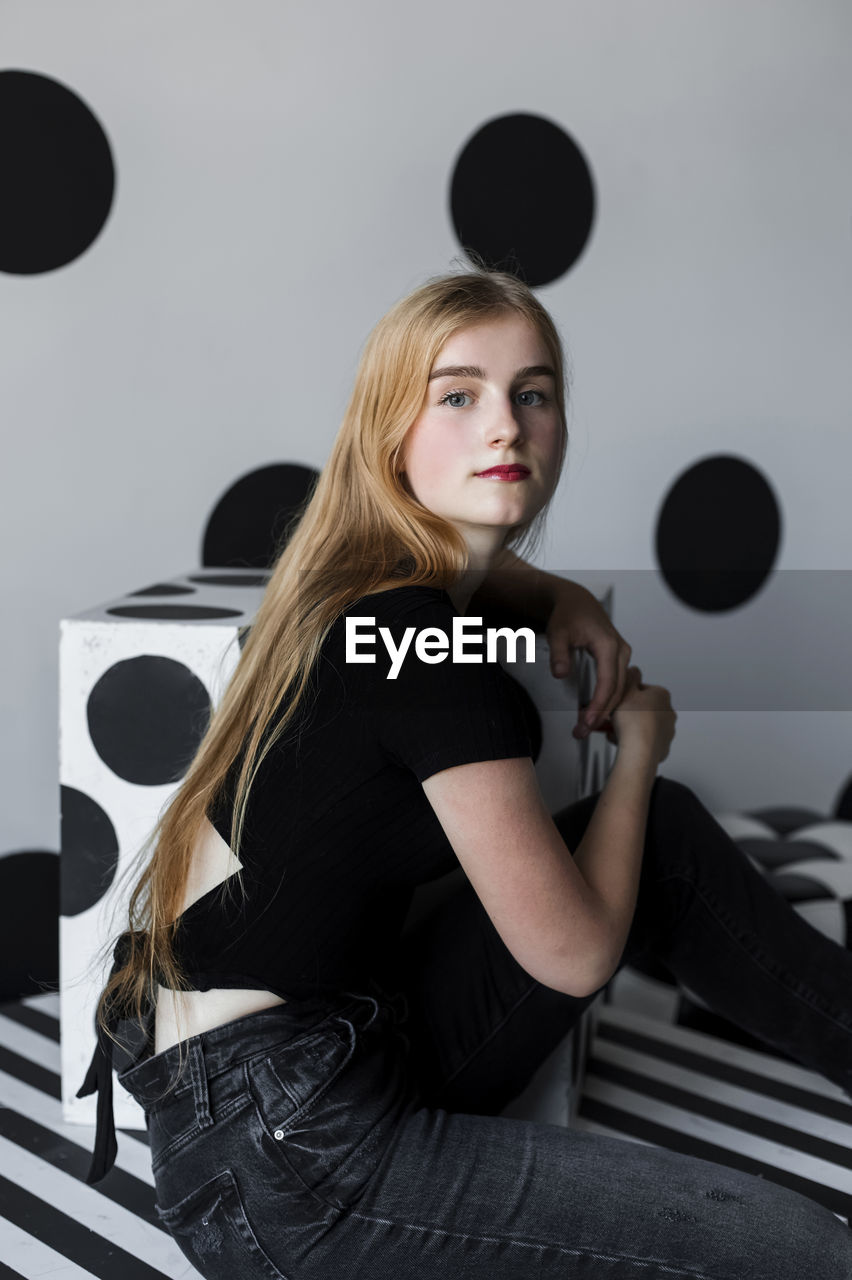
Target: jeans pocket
290 1080
212 1230
327 1119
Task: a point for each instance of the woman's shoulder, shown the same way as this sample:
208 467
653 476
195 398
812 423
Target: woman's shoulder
395 610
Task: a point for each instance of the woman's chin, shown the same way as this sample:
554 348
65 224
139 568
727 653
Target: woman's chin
511 512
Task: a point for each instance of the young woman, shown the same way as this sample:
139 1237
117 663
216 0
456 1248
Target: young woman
296 1130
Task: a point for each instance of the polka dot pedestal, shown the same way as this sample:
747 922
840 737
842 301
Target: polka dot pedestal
138 679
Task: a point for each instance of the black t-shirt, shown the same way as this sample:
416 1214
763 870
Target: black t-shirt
338 830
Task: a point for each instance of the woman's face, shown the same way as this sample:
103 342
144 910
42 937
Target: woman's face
490 402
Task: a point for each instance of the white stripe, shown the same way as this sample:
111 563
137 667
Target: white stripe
29 1044
134 1156
823 1172
835 833
765 1064
33 1259
836 876
827 916
89 1208
707 1086
740 825
46 1002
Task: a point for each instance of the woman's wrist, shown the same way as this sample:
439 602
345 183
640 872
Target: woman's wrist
638 756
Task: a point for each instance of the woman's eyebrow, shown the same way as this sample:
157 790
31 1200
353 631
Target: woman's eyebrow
474 371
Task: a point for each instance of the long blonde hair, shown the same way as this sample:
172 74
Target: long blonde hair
359 531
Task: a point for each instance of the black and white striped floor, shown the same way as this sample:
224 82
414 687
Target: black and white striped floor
653 1081
647 1080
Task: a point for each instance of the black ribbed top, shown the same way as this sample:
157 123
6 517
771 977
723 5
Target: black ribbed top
338 829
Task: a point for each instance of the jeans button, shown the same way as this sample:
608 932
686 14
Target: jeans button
278 1135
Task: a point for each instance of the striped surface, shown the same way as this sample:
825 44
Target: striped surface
51 1223
647 1080
669 1086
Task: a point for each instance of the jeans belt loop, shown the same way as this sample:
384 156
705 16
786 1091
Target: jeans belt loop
198 1075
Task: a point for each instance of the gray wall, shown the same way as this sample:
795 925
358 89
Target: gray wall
282 178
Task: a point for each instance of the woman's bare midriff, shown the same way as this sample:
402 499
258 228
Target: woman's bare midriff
181 1014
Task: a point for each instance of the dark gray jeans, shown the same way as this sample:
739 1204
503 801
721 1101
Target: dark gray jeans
317 1140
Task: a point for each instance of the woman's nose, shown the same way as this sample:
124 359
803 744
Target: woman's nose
504 427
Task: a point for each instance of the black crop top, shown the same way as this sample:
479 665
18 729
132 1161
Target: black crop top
338 830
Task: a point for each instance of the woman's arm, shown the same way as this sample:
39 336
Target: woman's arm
565 919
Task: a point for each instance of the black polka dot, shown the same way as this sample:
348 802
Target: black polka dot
164 589
147 716
186 612
58 174
522 197
249 525
29 918
89 851
718 534
232 579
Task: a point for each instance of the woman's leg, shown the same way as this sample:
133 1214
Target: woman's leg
491 1196
727 934
479 1025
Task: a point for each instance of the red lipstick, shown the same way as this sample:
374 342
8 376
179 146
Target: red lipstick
511 471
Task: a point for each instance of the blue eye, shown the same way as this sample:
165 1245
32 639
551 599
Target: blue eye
531 392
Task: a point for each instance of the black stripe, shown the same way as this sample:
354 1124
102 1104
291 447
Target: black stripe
44 1023
77 1243
700 1104
15 1064
119 1186
767 1085
638 1127
6 1273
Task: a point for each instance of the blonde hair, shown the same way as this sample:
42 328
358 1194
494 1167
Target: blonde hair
359 531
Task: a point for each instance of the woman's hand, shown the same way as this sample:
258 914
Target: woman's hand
645 718
571 617
579 621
